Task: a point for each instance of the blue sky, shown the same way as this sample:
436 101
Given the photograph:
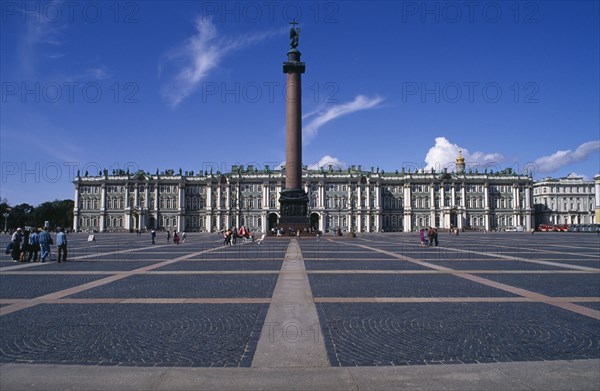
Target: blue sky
199 85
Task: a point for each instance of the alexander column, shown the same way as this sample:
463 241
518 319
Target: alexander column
293 200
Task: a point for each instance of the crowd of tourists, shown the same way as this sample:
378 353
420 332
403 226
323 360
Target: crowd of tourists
230 235
33 245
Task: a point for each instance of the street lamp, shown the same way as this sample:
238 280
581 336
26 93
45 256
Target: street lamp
5 214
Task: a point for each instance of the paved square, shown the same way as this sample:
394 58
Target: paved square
378 300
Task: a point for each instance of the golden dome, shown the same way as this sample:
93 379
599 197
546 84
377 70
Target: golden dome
460 159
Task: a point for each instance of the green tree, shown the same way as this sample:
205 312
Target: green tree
57 213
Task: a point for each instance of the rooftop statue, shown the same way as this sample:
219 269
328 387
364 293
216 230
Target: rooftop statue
294 33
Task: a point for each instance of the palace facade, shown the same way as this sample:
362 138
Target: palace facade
352 199
568 200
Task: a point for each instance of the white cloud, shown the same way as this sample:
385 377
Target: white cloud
563 158
322 117
198 56
576 175
98 73
40 39
443 155
326 161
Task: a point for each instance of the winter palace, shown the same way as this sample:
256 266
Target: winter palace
353 199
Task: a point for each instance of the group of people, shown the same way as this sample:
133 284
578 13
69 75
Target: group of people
26 245
230 235
177 237
428 237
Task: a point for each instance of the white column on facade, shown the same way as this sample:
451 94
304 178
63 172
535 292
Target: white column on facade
136 220
463 196
528 213
407 208
453 196
486 203
156 205
76 209
102 217
358 207
349 209
266 199
444 217
127 217
432 207
209 208
181 211
218 207
516 205
228 206
209 199
321 201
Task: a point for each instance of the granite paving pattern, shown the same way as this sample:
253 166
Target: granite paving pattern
434 333
183 335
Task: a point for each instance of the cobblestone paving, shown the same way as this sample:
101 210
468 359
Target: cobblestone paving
30 286
155 334
140 335
414 285
92 265
222 265
362 265
594 305
179 286
560 285
496 265
434 333
591 263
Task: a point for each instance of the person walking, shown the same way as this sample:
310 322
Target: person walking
45 241
422 237
61 243
153 236
15 239
34 246
168 236
435 236
430 235
24 246
183 236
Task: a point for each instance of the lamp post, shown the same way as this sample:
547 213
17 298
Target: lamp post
6 214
